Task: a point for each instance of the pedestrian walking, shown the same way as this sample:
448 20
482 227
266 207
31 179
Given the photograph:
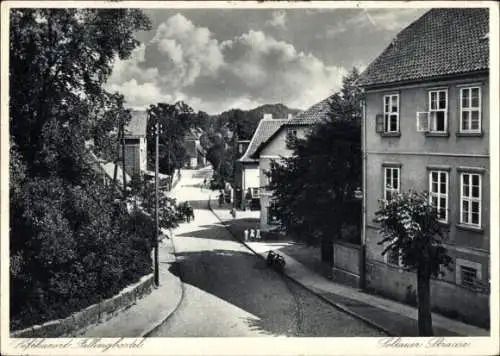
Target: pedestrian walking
221 199
233 213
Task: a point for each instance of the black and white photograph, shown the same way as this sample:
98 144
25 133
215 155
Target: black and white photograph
249 178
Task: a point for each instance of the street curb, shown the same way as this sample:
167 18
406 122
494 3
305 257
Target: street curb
322 297
181 298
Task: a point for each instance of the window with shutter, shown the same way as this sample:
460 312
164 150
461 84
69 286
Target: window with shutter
379 123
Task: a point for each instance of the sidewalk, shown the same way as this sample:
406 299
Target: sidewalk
303 265
152 310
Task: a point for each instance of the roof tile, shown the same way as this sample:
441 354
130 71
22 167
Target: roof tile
316 113
265 129
443 41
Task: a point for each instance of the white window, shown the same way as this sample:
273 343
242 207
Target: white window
470 199
391 182
391 113
470 109
438 110
438 191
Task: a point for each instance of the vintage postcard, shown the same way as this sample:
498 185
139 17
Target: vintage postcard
249 178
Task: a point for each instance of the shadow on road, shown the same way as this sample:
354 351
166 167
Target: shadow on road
219 231
244 281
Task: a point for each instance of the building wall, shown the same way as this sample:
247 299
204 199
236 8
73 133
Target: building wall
135 156
273 152
416 153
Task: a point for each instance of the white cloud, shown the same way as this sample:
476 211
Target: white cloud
278 20
140 95
183 52
185 62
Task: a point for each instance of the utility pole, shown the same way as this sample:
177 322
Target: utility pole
122 125
157 229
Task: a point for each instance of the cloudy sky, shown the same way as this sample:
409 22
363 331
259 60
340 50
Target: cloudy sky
218 59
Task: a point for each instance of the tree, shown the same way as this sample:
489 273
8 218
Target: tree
66 248
410 228
174 121
69 54
314 188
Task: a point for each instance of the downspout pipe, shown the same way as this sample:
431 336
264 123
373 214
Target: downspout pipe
362 267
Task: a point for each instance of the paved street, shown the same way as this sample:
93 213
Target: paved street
228 291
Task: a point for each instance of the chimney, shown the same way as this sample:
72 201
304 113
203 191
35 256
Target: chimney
268 116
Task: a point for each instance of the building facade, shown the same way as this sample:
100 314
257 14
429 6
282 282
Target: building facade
135 144
248 173
277 147
426 128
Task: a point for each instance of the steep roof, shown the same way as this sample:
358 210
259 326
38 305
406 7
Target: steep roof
138 123
265 129
443 41
313 115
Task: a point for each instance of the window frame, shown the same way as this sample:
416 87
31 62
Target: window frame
388 114
470 109
400 259
432 121
398 189
255 193
439 194
471 199
468 264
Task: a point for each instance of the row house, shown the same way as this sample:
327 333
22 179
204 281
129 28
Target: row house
426 128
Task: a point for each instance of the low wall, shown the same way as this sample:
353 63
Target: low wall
78 322
346 263
447 298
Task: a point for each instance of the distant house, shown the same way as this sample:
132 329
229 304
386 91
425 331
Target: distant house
426 128
135 144
275 147
195 154
247 167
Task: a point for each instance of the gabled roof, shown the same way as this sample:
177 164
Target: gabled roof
316 113
313 115
138 123
444 41
265 129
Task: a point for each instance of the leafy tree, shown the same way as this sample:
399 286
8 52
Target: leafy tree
314 188
174 123
410 228
69 54
67 252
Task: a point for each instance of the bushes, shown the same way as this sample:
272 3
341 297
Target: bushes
71 247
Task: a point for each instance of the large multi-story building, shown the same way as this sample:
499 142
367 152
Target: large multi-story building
426 128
